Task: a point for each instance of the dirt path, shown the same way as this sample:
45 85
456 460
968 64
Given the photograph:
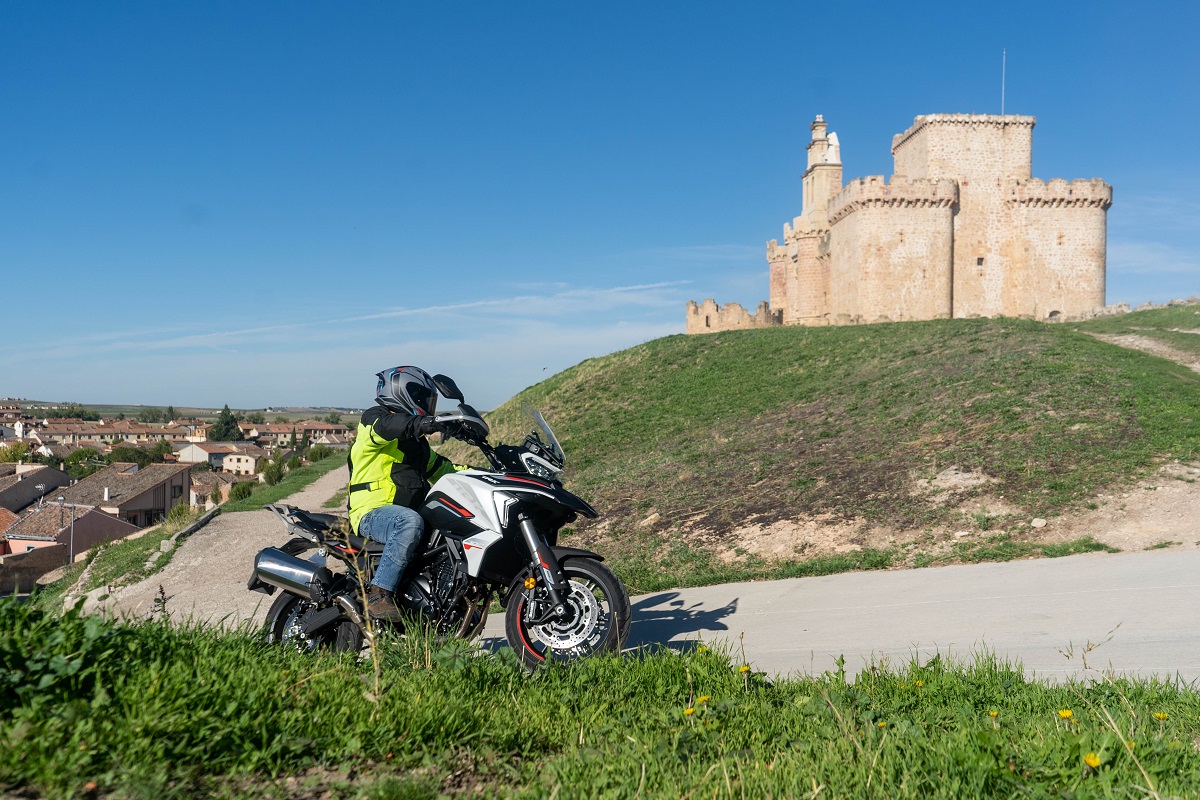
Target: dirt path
206 578
1153 347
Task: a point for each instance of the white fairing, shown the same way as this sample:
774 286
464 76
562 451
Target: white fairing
474 548
473 495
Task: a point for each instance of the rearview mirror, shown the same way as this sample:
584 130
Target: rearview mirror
447 388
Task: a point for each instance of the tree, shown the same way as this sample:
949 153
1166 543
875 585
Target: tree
131 455
225 428
150 414
333 418
161 448
73 411
83 462
170 413
281 420
305 442
13 451
292 444
294 463
256 418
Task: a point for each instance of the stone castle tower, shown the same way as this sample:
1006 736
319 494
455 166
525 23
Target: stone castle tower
961 230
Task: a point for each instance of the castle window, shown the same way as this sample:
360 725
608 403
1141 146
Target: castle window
706 322
979 262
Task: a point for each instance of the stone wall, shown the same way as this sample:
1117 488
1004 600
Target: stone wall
892 244
708 317
1062 239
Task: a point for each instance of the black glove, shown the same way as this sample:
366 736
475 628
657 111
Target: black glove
429 425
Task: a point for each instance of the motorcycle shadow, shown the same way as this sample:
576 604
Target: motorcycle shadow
666 620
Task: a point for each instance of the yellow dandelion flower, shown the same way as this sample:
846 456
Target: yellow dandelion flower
1092 760
1129 744
701 649
687 712
1160 715
918 684
993 714
744 668
704 698
882 724
1065 713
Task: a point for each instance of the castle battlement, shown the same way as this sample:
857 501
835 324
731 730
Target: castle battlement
708 317
901 192
1060 193
961 120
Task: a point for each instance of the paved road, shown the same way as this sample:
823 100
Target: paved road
1027 611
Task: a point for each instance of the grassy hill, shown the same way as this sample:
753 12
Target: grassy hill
714 432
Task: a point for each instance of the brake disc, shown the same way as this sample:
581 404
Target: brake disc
578 627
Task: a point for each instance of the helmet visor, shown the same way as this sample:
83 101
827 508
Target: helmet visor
422 396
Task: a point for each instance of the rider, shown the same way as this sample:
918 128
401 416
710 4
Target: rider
391 469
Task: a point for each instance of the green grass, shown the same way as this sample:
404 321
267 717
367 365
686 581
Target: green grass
338 500
718 431
148 711
293 482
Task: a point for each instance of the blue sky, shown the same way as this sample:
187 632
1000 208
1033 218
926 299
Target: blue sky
265 203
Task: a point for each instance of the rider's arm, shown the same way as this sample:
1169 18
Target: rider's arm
390 426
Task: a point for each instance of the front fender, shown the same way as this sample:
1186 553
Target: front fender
561 554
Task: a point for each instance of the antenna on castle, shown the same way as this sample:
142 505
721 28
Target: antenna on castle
1003 67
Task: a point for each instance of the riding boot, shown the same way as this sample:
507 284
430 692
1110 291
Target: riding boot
381 605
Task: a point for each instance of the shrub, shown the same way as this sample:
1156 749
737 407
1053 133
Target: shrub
241 490
319 452
179 513
272 473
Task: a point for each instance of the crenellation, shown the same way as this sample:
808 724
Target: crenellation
1059 193
708 317
874 190
961 230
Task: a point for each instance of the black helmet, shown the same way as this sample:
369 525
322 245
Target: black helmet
408 390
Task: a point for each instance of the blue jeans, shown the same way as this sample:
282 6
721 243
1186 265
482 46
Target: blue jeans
399 529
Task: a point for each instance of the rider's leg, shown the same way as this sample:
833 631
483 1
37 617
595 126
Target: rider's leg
399 529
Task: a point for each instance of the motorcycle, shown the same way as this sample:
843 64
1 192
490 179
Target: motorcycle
489 533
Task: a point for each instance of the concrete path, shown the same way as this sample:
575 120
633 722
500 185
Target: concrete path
1144 607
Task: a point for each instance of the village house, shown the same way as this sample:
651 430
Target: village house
235 457
78 528
22 485
139 496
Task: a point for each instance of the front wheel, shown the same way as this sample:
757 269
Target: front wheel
285 626
597 619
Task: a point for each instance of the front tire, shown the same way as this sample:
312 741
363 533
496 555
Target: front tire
599 622
285 621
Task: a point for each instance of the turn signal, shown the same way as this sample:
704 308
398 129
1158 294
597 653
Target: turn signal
530 582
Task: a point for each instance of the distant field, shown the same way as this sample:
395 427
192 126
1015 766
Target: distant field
109 411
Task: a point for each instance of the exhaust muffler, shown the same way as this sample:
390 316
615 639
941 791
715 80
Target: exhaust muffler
275 569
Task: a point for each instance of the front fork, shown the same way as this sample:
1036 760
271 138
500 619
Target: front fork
547 564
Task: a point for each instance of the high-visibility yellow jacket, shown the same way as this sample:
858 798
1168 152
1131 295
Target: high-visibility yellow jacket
390 464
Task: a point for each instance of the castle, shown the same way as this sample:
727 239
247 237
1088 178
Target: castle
961 230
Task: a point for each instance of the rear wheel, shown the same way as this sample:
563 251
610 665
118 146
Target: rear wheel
285 626
597 619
